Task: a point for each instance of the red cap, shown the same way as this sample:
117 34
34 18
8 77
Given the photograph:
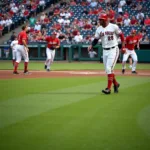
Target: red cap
103 17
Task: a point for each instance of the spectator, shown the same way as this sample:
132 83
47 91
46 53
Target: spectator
139 7
37 26
72 3
93 3
87 25
87 39
13 36
127 22
119 20
67 22
78 38
140 14
134 21
147 20
1 30
14 8
42 17
60 20
92 53
143 30
120 11
140 36
146 39
67 14
122 3
9 23
56 26
42 4
32 21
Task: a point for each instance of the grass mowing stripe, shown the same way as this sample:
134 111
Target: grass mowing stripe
14 110
100 122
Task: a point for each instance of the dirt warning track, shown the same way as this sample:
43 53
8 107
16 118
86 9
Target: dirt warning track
7 74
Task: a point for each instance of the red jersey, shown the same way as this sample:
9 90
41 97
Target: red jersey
22 36
131 41
52 42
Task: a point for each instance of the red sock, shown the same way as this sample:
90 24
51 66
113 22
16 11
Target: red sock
16 66
13 62
114 80
110 80
25 66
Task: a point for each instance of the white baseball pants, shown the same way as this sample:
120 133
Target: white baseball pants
14 53
110 58
134 57
50 57
21 52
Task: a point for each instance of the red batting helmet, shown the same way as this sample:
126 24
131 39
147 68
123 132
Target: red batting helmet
103 17
133 31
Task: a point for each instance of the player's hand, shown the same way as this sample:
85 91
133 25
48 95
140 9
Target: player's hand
123 50
89 48
138 48
26 49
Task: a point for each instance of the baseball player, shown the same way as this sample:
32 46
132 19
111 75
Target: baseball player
22 50
131 41
108 33
52 44
13 45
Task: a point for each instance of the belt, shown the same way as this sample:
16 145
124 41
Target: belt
109 48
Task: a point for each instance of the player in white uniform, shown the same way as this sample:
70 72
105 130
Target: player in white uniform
108 33
14 50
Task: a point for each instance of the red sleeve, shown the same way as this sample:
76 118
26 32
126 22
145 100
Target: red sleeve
24 36
122 37
47 39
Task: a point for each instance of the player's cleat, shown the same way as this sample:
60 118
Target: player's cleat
116 87
123 71
134 72
45 67
26 72
48 70
15 72
106 91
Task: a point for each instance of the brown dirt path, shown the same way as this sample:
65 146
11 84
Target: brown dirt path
7 74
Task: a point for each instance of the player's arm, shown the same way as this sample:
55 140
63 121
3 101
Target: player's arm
95 41
12 45
25 44
120 34
138 45
58 44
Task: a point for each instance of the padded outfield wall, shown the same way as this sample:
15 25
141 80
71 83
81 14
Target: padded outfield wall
71 52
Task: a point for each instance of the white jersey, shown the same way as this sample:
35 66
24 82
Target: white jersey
108 35
14 44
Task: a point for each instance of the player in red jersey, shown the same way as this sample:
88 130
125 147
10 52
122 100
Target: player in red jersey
131 41
22 50
52 44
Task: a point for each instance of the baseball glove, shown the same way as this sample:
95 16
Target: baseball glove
123 50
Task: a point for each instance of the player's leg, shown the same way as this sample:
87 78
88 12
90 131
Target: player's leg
18 59
135 59
125 57
130 61
111 61
52 58
49 55
13 57
25 56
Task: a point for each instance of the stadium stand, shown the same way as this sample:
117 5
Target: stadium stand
68 17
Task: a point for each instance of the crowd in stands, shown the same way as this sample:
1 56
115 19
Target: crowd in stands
16 12
76 20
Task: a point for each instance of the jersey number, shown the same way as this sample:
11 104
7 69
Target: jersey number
110 38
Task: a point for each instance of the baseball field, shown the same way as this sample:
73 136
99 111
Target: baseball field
65 110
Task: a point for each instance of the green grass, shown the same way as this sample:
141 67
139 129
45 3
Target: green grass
66 66
72 114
